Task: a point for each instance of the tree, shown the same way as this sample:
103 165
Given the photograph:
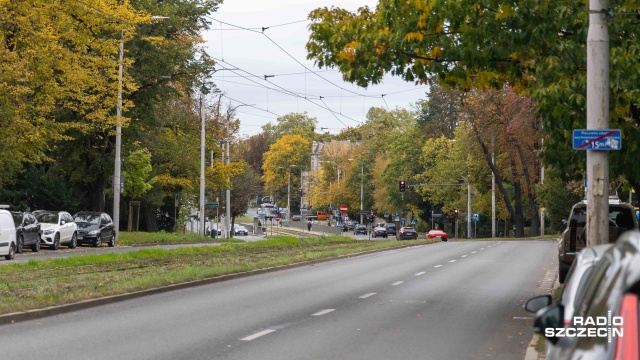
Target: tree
246 184
58 67
293 123
137 171
538 48
290 149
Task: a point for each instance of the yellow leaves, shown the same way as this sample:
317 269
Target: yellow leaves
348 53
504 11
414 36
435 52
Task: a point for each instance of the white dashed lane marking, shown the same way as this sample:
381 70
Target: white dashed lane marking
420 273
463 256
257 335
325 311
473 252
452 261
367 295
397 283
437 266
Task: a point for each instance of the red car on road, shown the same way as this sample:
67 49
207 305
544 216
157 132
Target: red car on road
437 233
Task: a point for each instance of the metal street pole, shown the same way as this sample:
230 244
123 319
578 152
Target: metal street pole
493 192
227 220
361 191
597 118
116 172
468 210
202 179
289 194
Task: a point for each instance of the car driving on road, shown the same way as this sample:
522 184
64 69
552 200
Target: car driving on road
380 231
360 229
407 232
432 234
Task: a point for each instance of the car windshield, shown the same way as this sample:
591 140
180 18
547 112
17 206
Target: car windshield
87 218
47 217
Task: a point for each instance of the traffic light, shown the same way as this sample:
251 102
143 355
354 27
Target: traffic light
455 213
402 186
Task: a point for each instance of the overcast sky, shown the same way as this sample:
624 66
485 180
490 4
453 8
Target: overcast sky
282 53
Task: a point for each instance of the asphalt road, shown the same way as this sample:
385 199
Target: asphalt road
456 300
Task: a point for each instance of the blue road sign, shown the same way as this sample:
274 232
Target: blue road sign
402 222
397 213
414 221
475 217
603 139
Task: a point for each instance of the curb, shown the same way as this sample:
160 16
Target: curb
12 318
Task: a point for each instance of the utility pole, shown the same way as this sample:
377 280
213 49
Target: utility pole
468 210
202 178
117 166
493 192
227 220
597 118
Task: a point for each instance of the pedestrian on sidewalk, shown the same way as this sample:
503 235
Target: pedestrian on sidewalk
309 225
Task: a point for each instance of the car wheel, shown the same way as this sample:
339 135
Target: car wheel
444 239
56 242
36 247
74 241
12 253
20 244
112 242
98 242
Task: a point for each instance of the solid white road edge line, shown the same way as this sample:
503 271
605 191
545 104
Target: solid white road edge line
325 311
257 335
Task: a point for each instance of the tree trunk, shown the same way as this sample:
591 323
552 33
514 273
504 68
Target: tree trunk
533 205
150 222
518 216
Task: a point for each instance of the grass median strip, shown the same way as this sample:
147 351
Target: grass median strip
44 283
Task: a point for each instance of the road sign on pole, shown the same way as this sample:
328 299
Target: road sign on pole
601 139
278 218
343 209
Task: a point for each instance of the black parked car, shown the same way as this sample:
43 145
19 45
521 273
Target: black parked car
94 228
27 231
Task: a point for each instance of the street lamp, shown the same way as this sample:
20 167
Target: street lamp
361 188
117 185
227 220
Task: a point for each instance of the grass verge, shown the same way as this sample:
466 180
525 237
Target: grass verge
163 238
44 283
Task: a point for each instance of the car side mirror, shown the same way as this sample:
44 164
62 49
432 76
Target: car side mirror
547 320
62 222
564 223
536 303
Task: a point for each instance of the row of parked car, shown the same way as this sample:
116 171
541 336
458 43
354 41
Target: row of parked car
21 230
597 313
385 230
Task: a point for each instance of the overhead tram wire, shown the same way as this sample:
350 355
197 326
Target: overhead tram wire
249 105
292 57
284 91
301 64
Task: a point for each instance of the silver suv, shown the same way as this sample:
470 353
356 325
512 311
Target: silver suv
621 218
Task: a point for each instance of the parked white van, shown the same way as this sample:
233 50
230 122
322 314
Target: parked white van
7 235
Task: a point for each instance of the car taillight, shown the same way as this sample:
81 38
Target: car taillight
627 344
